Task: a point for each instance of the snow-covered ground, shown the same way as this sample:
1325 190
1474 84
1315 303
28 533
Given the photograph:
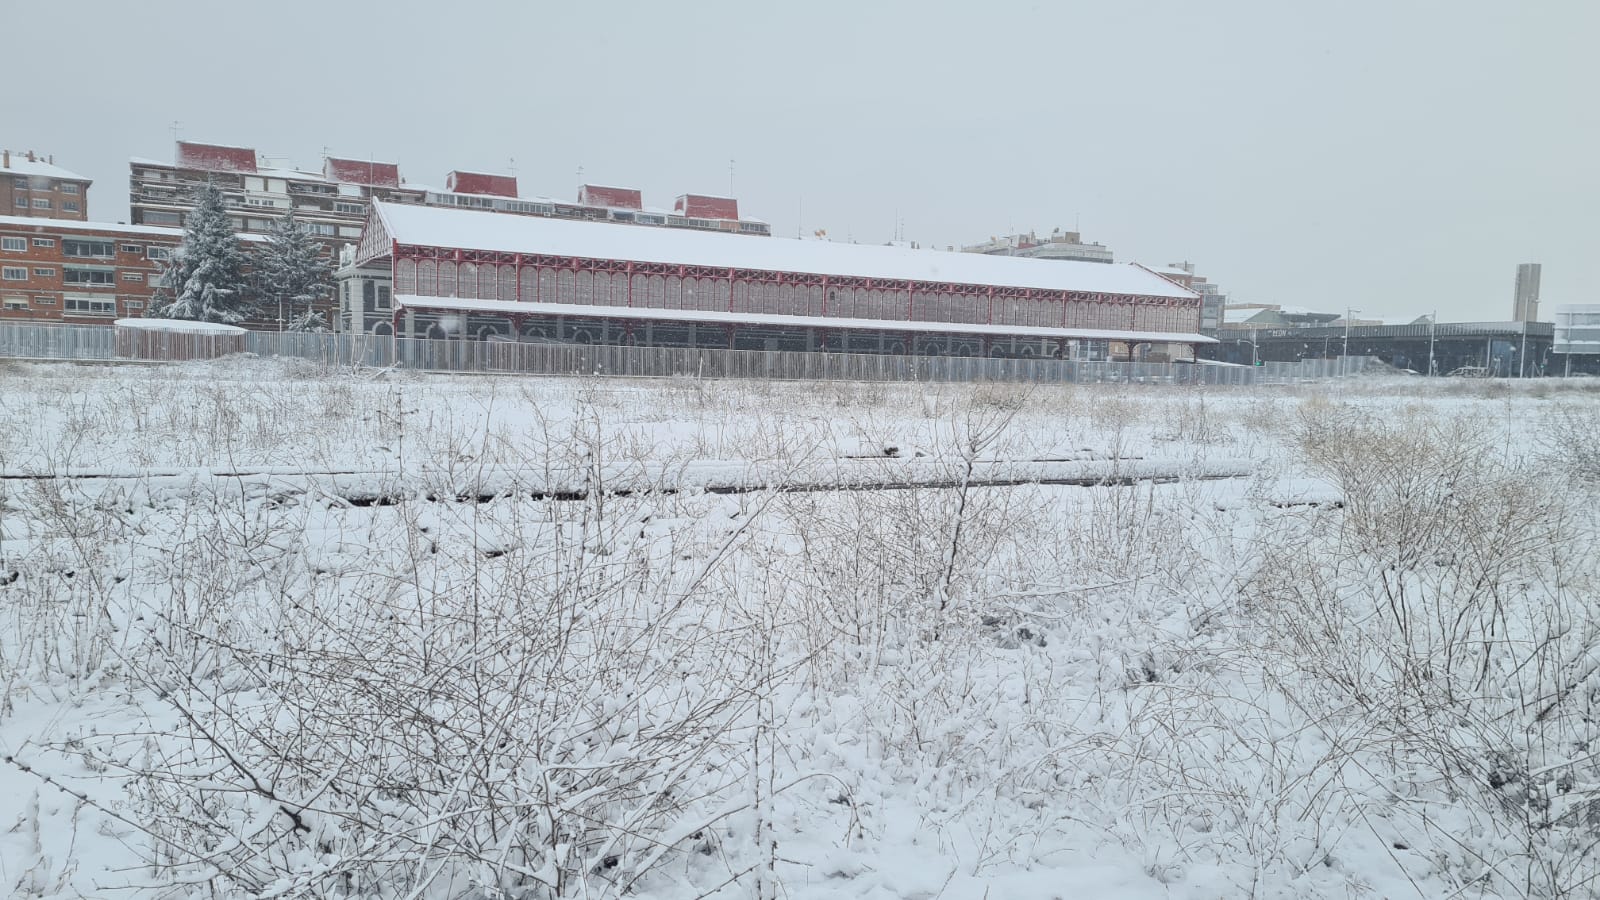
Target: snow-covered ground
268 630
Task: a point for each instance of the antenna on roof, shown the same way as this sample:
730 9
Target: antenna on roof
580 174
175 126
511 166
799 223
730 178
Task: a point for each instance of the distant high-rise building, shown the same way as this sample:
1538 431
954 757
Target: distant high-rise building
1525 304
1068 245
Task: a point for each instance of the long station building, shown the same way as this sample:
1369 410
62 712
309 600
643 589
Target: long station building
450 273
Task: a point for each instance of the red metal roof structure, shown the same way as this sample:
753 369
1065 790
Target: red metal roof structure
700 206
532 269
480 183
215 157
614 197
357 171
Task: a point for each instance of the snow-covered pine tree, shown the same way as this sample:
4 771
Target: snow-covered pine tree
294 273
204 279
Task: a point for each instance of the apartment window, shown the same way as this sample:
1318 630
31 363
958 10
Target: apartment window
22 201
44 242
87 248
14 244
14 273
69 206
90 306
383 297
355 208
41 203
44 273
132 276
153 217
132 248
158 253
319 229
44 301
133 304
16 303
90 277
68 188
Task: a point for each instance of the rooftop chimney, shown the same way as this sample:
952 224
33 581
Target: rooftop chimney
30 157
8 160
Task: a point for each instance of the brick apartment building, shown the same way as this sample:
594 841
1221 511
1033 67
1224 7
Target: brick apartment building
58 272
34 187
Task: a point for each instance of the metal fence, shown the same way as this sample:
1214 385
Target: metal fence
81 342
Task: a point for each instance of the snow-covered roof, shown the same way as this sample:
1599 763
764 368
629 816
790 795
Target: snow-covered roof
1235 316
471 230
517 307
1171 270
72 226
21 165
289 174
65 225
182 326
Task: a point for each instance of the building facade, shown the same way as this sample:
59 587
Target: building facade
333 204
79 273
469 275
1212 300
34 187
1062 245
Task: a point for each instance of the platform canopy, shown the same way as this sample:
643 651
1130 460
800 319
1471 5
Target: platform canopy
757 320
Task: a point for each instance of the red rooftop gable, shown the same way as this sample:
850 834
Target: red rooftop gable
699 206
358 171
215 157
616 198
479 183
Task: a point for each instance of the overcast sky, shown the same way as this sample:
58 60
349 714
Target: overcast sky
1392 156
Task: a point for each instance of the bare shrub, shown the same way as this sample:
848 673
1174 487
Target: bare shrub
1443 617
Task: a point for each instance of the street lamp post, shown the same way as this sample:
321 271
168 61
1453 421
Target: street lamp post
1252 344
1344 359
1433 328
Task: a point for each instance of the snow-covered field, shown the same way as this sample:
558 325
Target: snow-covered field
272 631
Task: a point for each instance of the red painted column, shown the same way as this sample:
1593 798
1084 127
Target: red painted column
630 285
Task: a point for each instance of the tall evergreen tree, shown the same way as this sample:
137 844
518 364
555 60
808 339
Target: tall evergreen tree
204 279
294 273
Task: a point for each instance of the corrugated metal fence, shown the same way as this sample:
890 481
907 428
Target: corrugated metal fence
87 342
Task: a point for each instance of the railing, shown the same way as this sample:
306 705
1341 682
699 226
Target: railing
90 342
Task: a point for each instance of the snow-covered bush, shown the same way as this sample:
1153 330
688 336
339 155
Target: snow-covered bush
1443 624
